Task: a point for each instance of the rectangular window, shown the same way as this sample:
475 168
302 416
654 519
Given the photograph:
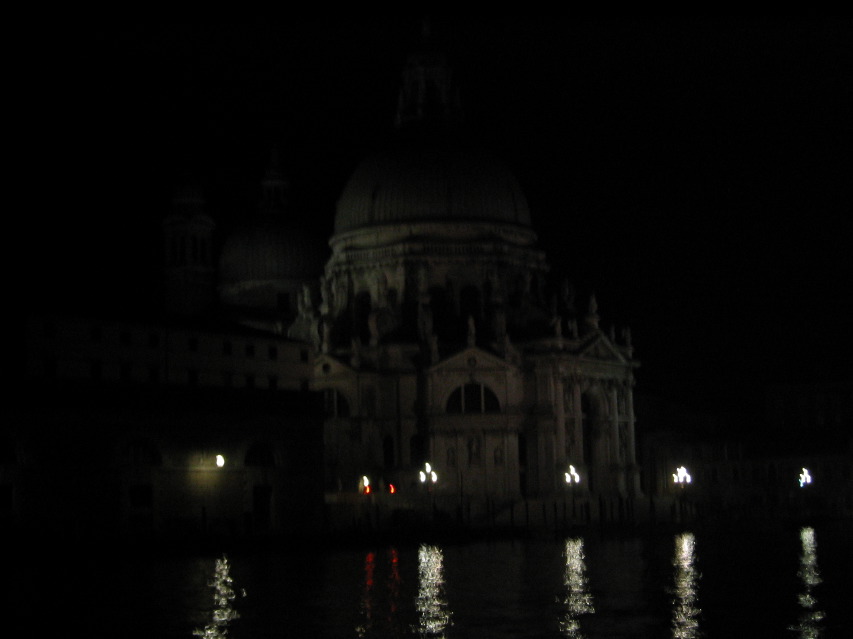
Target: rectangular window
250 381
125 338
153 340
192 344
273 382
272 352
192 377
250 350
226 347
303 355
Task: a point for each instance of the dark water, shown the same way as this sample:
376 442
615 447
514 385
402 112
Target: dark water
772 582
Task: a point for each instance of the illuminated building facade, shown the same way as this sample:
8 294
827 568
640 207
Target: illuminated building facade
439 340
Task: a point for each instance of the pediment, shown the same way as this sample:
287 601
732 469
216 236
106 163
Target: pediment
472 358
600 348
328 366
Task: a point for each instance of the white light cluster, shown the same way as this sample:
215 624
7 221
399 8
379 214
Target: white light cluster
428 473
572 476
681 476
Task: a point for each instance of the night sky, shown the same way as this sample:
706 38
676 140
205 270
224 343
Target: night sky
696 175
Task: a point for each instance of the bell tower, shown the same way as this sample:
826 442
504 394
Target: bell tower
189 274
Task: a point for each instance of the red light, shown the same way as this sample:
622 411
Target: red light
367 490
392 488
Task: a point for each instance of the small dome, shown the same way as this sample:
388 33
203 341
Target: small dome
430 184
270 252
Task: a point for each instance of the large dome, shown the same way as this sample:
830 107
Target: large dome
412 184
269 252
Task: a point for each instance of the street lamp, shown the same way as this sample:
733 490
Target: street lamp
681 476
805 478
364 485
572 478
428 476
220 461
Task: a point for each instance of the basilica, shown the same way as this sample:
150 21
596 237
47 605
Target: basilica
434 336
430 330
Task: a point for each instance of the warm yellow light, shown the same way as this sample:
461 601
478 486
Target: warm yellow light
220 461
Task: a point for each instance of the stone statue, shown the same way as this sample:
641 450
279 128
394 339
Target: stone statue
325 296
304 327
573 328
557 324
382 291
373 327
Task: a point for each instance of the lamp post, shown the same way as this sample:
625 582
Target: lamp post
805 478
572 478
209 487
681 478
428 478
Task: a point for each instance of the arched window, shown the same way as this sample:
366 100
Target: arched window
335 404
473 398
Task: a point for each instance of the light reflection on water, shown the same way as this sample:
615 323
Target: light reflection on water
685 609
431 603
754 582
223 596
809 626
380 600
578 601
